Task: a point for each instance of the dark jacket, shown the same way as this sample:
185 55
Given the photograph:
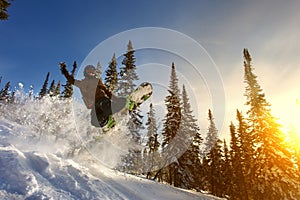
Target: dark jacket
91 88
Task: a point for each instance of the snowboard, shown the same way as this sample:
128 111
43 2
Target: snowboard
133 101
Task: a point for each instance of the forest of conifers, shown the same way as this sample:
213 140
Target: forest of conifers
257 162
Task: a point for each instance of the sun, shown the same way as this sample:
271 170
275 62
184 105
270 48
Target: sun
291 126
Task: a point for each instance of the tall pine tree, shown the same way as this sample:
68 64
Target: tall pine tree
170 129
111 78
238 187
226 172
44 89
152 145
212 162
126 86
189 162
127 73
247 154
274 170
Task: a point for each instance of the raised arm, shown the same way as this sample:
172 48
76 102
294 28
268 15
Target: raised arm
65 72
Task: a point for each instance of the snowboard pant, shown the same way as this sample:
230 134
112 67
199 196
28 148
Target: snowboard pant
105 107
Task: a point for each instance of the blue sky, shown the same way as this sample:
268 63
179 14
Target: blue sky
40 34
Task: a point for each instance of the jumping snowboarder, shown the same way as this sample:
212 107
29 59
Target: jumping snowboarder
96 96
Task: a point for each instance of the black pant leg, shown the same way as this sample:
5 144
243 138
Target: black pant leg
102 111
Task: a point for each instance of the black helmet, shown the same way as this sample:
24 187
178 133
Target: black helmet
88 69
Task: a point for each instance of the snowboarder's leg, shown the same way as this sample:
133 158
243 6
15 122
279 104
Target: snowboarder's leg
103 111
94 119
105 108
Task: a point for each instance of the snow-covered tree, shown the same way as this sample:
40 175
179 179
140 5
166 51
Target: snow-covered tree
151 155
212 134
126 86
171 127
173 117
98 71
189 162
212 162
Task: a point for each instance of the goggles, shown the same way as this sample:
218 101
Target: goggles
90 71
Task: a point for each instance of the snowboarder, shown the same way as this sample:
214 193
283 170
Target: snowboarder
96 96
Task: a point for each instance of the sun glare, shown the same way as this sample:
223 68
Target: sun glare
291 126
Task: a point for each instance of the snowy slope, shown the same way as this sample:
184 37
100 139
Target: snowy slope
37 169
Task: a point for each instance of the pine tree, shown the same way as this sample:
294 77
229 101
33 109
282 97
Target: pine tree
212 135
57 89
126 86
134 157
52 88
68 88
98 70
4 4
4 93
173 117
127 73
247 154
111 79
44 89
152 145
273 164
189 162
170 129
226 171
212 161
239 187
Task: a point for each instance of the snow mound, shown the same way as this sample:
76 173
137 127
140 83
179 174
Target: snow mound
41 159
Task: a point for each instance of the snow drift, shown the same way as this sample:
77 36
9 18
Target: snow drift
48 153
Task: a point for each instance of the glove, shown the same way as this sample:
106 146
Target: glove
62 65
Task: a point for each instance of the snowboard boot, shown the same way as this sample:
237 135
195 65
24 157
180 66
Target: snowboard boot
111 122
145 97
130 105
103 122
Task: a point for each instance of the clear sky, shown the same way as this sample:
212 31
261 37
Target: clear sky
40 34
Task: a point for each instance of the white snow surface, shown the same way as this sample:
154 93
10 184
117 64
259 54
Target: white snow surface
32 168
